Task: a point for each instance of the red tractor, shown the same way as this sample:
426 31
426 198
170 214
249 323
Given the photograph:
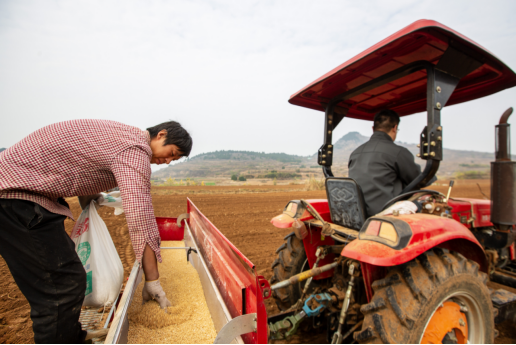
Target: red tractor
413 278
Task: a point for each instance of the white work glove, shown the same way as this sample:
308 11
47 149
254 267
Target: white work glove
153 290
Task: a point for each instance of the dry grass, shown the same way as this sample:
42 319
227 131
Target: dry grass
314 184
188 321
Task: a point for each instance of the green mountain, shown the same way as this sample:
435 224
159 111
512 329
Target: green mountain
248 155
222 164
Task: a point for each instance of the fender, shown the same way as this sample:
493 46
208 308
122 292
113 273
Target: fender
284 221
315 239
428 231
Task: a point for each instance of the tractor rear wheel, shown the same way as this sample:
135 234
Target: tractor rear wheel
439 297
291 261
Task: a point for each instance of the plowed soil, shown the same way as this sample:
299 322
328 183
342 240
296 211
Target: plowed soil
242 213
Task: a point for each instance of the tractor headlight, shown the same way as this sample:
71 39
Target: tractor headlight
382 229
291 209
294 209
390 231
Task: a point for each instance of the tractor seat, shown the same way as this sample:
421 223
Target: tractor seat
346 202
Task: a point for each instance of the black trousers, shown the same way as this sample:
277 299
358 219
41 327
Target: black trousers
42 259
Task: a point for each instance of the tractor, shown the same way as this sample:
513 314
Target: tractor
392 277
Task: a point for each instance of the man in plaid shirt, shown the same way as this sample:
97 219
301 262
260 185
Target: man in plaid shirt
77 158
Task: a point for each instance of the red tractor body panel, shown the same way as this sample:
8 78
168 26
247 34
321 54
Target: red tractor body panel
423 40
428 231
462 207
311 242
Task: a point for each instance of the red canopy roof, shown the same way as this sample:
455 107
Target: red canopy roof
425 40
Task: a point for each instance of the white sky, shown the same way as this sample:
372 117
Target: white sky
224 69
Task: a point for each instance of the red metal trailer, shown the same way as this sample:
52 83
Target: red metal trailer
234 292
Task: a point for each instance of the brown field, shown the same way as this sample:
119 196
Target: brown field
242 213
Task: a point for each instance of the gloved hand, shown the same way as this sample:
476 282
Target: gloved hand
153 290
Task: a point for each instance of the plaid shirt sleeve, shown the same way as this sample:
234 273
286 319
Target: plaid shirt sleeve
132 172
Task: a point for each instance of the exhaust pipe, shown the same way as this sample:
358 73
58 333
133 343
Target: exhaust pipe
503 138
503 178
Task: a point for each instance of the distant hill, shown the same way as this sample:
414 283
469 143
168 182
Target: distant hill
2 149
248 155
225 163
260 165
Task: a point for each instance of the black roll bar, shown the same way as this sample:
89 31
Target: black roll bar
442 79
325 155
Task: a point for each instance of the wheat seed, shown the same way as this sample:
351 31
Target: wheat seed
188 321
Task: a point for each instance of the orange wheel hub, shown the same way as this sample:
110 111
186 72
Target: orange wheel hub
446 319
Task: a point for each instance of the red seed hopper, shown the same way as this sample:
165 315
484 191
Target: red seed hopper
233 291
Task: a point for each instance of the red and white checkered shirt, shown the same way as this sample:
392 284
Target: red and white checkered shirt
84 157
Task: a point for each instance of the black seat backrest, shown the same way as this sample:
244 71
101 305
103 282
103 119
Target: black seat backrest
346 202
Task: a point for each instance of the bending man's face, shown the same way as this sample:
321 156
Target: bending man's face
163 154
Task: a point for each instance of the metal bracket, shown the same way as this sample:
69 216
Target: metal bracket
181 218
265 287
188 250
440 87
325 153
188 253
239 325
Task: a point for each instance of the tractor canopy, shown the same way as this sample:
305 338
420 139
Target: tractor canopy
424 43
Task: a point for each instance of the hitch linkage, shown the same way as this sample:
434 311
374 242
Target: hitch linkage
290 324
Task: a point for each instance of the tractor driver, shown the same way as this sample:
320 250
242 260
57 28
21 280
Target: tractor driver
381 168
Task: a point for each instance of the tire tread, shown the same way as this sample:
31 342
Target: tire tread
291 257
415 284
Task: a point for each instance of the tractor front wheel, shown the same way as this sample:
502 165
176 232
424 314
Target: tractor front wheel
291 261
439 297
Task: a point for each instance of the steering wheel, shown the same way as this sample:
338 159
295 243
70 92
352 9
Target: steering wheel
407 195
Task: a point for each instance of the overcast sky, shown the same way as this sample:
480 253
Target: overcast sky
224 69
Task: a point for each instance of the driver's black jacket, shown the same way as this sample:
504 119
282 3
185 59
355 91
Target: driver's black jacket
382 169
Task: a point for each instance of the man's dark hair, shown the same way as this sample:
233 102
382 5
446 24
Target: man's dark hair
385 120
176 135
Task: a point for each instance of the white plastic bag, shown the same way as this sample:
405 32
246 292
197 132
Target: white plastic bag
104 270
112 199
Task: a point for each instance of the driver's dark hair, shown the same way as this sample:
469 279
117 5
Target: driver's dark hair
176 135
385 120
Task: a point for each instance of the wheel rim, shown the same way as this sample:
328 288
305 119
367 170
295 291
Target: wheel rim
459 313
